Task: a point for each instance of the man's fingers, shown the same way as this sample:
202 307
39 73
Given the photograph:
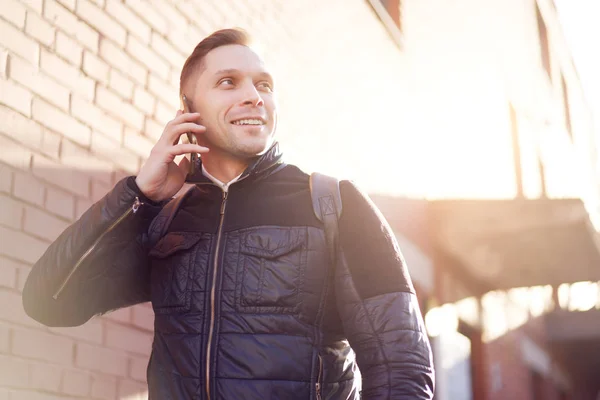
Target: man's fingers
185 148
185 117
177 130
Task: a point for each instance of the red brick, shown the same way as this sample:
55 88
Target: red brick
62 122
76 383
101 21
169 11
164 113
30 77
100 359
45 377
110 102
96 118
4 338
43 346
14 12
68 75
70 4
13 373
163 90
120 84
117 58
144 100
95 67
128 339
22 274
35 5
42 224
90 332
16 41
20 128
8 279
153 129
138 144
30 395
99 190
51 143
134 24
39 29
172 55
121 315
185 40
27 188
149 58
104 387
69 49
11 212
6 179
60 203
149 14
69 179
143 316
15 97
14 154
138 368
3 63
12 304
67 21
132 390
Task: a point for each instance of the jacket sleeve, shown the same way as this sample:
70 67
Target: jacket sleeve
378 306
97 264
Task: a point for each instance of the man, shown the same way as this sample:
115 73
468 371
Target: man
247 305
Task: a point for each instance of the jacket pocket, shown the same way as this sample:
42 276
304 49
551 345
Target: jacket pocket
271 269
172 260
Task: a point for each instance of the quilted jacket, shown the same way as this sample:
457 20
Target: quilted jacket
247 305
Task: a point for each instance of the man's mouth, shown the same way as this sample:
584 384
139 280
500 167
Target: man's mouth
249 121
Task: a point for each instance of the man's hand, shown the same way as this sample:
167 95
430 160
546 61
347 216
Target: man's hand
160 178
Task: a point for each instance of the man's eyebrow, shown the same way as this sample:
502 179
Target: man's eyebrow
233 71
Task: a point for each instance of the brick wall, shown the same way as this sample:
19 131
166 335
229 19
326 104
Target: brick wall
85 88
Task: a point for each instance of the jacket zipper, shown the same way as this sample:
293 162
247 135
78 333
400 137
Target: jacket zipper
133 209
319 378
212 295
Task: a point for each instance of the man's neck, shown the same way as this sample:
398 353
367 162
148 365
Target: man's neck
222 167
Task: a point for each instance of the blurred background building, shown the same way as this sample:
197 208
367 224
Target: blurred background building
466 121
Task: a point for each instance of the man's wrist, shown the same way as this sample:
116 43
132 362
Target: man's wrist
133 185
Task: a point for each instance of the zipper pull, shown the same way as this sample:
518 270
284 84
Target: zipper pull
223 202
136 205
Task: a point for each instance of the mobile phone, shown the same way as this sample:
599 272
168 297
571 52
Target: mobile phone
191 138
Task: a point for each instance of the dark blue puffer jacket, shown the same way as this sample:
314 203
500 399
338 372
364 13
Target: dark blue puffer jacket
246 303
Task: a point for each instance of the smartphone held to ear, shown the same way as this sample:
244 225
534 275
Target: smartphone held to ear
191 138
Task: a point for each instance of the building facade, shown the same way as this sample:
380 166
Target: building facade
421 102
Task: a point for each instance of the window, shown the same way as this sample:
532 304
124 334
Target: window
567 108
544 44
393 8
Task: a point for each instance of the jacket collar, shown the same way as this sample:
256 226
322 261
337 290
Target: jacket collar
261 166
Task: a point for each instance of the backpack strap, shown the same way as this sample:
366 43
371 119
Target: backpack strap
327 205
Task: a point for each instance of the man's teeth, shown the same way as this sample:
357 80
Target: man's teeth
249 122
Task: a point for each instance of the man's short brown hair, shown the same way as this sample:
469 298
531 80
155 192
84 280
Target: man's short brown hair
219 38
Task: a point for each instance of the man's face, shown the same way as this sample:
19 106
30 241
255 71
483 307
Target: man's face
233 93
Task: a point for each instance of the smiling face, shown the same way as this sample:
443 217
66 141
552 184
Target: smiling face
233 92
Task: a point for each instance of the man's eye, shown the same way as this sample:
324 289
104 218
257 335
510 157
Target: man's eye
266 86
226 82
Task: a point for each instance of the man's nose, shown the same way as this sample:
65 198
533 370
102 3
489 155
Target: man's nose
251 96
